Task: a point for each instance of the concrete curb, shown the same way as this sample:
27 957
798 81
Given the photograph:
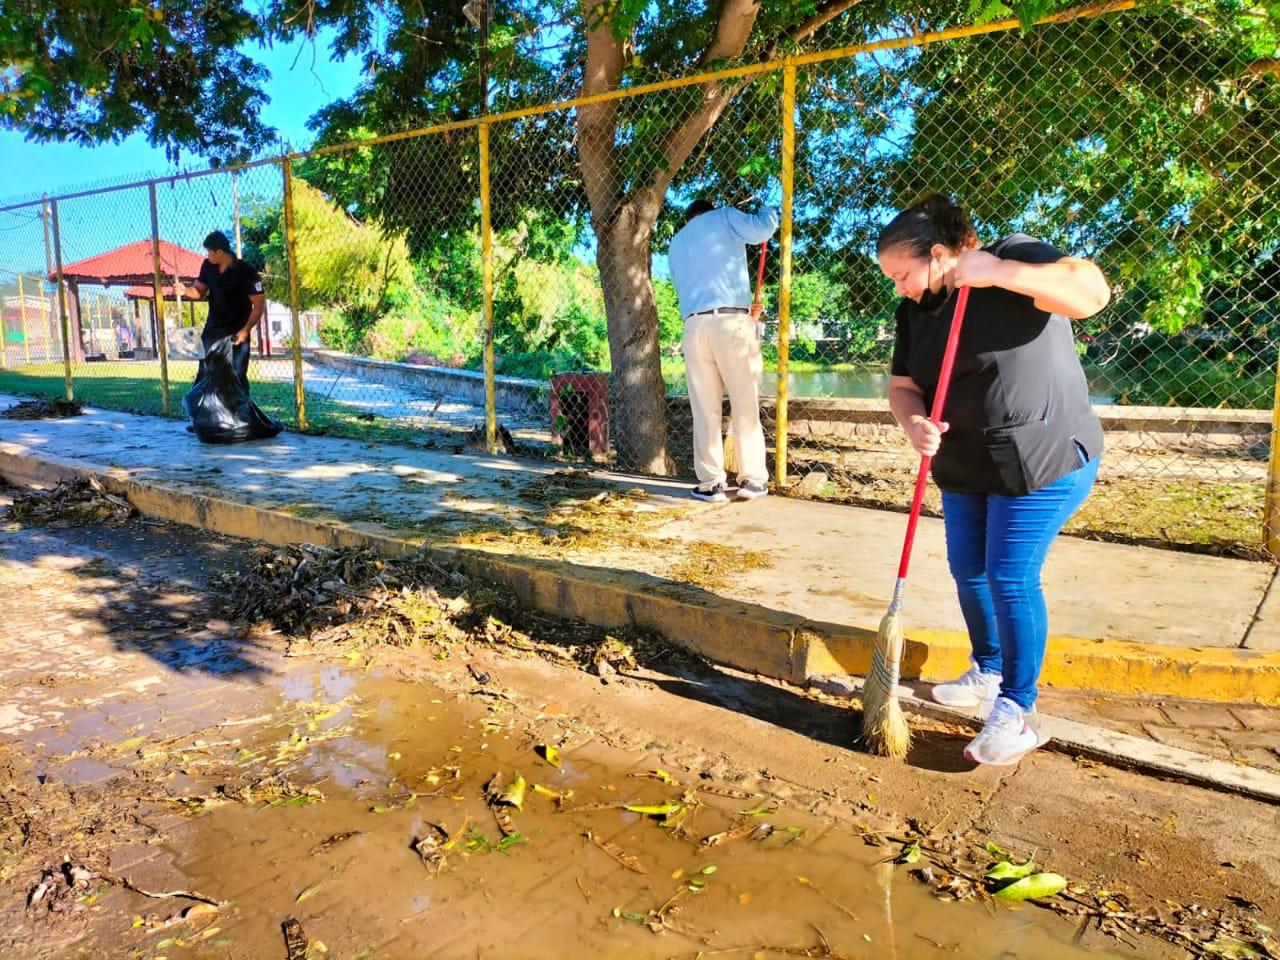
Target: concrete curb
742 635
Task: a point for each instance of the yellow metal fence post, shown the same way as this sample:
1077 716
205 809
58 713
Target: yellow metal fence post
486 258
22 312
46 321
290 240
62 299
784 277
1271 506
162 338
4 331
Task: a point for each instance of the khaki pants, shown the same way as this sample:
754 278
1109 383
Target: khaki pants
721 351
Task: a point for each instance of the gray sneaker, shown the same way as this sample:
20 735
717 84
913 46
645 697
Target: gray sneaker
752 489
972 689
710 493
1009 734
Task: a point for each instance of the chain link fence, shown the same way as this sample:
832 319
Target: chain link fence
1144 140
28 302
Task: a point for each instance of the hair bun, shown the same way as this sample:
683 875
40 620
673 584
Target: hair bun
933 218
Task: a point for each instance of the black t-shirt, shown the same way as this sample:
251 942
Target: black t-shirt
1018 405
229 293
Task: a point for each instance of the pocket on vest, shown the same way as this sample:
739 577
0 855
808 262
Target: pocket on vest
1008 446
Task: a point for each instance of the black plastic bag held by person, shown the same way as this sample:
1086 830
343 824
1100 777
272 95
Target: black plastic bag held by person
218 402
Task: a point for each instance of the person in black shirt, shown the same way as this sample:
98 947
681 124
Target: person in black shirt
1017 451
236 301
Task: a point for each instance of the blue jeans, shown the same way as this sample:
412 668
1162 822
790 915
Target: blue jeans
996 546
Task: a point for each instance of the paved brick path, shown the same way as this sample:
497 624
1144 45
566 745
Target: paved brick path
1244 734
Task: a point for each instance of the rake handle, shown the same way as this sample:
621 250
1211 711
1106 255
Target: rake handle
939 401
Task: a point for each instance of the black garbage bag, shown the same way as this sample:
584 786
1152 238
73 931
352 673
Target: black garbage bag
218 402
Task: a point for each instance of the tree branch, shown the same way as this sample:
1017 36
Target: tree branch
1263 67
733 30
802 31
597 122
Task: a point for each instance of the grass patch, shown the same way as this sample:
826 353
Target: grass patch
1178 380
138 391
1224 519
1196 516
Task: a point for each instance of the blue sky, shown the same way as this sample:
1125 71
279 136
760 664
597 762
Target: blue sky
295 91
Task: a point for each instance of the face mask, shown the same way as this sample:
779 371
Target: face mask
933 299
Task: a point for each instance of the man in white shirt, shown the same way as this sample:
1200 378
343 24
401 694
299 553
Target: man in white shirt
708 260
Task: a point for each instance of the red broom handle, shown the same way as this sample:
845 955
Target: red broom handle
759 298
939 400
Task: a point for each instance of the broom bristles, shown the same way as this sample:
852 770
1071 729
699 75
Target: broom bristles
884 727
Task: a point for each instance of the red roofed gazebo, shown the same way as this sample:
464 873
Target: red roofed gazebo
133 266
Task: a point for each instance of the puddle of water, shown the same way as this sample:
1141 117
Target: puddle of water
554 892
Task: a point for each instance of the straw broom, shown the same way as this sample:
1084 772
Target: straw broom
884 728
730 448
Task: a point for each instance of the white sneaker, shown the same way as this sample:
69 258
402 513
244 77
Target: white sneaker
973 689
1009 733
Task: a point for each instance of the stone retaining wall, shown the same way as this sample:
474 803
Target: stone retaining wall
833 420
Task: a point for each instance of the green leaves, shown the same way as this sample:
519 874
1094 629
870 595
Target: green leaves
97 74
1008 870
910 853
1035 887
1008 880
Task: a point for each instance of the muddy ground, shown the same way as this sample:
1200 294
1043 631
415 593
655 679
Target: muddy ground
342 798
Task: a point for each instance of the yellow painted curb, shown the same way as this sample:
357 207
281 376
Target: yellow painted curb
1073 663
770 643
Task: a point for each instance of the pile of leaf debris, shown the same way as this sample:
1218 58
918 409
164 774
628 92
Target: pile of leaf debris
71 501
577 513
353 597
958 867
44 410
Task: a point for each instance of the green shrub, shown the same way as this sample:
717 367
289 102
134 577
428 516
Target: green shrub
1178 380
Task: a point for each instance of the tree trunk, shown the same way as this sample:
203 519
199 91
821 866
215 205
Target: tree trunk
623 214
638 417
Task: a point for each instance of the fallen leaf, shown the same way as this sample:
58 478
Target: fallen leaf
548 753
1035 887
1008 870
511 795
618 854
659 810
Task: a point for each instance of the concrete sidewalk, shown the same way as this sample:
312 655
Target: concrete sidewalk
786 588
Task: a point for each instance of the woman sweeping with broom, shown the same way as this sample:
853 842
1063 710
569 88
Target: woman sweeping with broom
1016 446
